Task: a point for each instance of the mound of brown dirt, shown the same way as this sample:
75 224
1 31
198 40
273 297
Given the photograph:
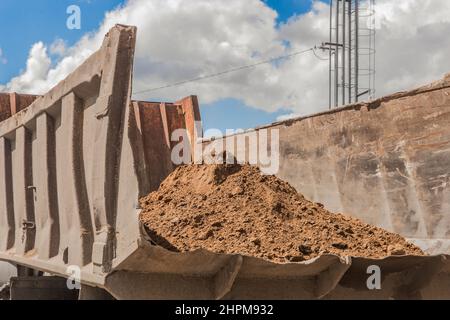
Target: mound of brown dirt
235 209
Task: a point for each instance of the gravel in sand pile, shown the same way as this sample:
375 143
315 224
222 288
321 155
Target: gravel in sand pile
236 209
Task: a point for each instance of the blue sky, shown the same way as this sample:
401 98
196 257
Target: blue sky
287 8
25 22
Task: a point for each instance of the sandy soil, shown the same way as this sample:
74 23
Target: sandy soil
236 209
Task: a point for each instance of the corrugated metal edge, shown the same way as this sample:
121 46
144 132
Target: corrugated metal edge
328 270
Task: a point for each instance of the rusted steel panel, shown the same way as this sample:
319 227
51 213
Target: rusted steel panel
192 117
5 106
155 141
156 123
11 103
18 102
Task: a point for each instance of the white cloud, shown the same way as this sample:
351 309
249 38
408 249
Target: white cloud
179 39
3 60
58 47
288 116
34 78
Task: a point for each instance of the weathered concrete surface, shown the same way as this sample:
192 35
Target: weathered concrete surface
386 162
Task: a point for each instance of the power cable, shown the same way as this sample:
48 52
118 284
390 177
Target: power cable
214 75
317 56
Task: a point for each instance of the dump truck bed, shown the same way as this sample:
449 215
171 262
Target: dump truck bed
74 164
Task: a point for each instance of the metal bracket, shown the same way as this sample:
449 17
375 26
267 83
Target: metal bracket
27 225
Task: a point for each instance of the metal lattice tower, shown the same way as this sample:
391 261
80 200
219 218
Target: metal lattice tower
351 51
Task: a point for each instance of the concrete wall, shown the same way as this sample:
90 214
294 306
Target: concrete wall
386 162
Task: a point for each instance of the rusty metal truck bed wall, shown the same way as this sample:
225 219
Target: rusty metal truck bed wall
386 162
156 123
11 103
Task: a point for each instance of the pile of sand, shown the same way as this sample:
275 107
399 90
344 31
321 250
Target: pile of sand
235 209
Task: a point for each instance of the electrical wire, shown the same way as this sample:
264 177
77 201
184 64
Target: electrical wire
317 56
218 74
